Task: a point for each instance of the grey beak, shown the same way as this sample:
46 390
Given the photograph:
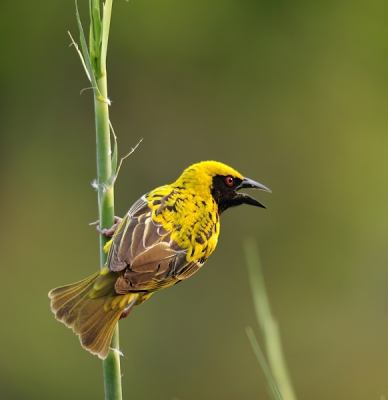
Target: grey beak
249 183
246 199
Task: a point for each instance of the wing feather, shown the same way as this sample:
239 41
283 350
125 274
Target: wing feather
124 245
137 246
144 251
139 208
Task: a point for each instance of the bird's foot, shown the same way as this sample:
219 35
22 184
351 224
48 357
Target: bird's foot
111 230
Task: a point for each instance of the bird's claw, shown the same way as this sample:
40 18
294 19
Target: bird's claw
111 230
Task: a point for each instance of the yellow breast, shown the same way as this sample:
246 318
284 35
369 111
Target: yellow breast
192 219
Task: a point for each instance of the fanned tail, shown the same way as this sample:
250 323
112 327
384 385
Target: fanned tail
91 308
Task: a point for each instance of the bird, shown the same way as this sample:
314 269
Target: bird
165 237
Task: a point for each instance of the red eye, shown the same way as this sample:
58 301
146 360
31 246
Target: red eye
229 180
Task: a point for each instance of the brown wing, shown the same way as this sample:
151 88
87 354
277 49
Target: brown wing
144 250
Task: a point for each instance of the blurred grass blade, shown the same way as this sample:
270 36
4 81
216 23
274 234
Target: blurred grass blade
267 322
263 363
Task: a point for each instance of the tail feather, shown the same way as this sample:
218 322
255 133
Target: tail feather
91 308
92 314
97 339
65 300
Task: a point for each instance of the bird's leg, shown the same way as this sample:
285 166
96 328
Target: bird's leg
111 230
128 309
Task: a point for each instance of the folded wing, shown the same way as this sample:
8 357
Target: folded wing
144 251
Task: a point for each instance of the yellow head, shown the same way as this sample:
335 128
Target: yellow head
200 176
221 182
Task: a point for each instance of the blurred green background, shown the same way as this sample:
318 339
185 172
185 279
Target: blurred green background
291 94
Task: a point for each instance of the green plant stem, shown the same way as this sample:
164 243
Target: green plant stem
104 169
274 388
112 371
111 365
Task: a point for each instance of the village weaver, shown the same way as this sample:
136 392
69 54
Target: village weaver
165 237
